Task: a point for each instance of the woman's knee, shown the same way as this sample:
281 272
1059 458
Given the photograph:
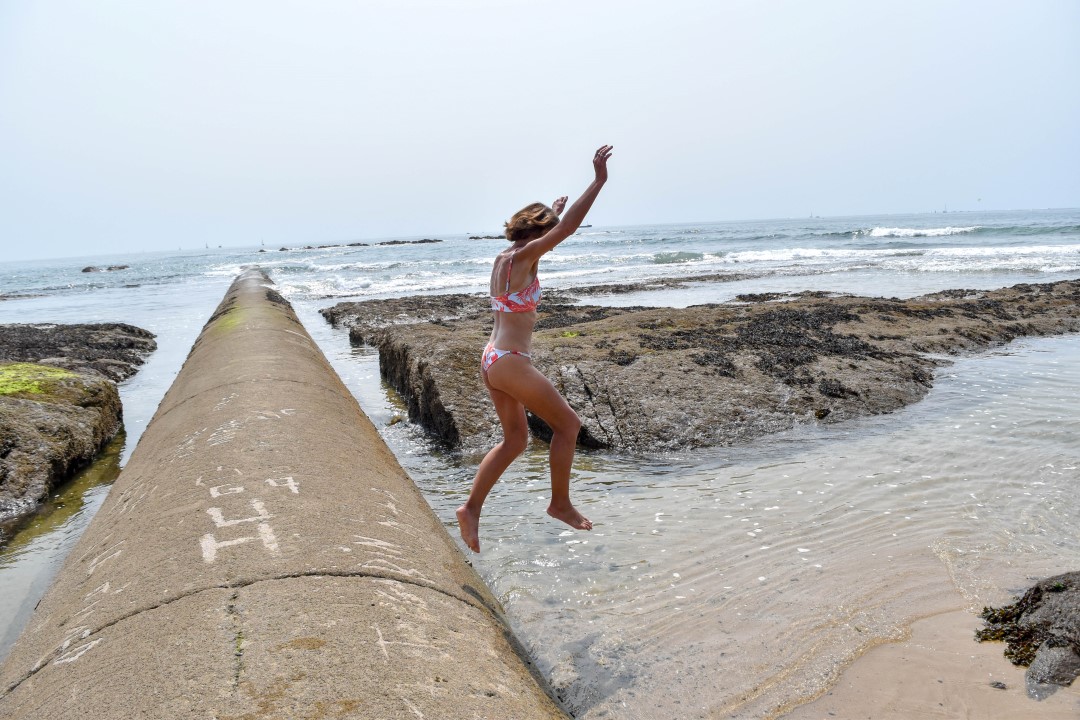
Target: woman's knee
516 441
568 424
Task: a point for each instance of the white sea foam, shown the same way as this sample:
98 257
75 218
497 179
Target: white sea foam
639 255
920 232
1007 251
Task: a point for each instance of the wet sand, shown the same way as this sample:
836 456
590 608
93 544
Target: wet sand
937 672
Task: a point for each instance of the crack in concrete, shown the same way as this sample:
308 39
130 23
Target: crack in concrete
466 598
238 638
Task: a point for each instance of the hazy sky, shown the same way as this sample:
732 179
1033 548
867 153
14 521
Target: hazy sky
154 124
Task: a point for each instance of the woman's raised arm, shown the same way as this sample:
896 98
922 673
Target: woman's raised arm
575 215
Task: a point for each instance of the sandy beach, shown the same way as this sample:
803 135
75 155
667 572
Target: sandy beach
936 672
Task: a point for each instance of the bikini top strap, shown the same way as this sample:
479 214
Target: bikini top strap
509 270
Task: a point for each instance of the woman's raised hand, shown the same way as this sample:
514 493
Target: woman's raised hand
599 162
558 205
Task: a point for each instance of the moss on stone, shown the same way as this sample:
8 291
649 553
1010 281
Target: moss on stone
29 378
229 320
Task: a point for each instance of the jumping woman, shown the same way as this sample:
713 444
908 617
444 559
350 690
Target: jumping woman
511 380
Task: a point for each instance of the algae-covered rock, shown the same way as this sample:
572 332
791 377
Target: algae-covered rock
1042 632
52 422
649 379
114 350
59 405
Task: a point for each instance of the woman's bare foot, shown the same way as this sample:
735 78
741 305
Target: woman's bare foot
569 515
469 525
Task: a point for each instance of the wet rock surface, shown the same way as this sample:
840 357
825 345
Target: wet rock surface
423 241
59 404
113 350
657 284
109 268
1042 632
652 379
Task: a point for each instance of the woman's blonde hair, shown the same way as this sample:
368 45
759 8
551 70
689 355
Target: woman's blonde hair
530 222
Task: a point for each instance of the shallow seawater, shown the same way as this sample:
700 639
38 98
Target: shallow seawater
735 582
26 564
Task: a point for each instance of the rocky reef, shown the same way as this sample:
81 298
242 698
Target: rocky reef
1042 632
58 403
650 379
112 350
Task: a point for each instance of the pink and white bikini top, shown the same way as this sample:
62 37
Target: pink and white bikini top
525 300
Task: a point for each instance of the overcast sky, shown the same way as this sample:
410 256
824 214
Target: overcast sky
154 124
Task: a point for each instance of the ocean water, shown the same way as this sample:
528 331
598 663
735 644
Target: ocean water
770 565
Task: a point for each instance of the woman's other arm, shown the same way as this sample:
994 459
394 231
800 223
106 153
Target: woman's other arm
574 216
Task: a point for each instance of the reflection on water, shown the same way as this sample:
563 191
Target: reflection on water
772 566
30 560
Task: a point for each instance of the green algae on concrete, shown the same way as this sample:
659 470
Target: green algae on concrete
229 320
29 378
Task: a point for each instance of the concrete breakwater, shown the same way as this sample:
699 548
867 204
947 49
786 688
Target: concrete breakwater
264 555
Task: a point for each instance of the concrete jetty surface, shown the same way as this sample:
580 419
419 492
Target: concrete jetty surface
263 555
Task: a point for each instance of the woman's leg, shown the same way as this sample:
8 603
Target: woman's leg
525 384
515 440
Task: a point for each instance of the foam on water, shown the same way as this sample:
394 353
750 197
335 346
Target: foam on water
919 232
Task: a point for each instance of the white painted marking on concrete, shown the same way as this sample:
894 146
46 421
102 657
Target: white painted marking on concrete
387 493
103 588
224 433
130 505
103 558
393 548
285 482
380 564
415 710
187 446
210 545
87 610
400 527
224 401
400 596
77 652
220 521
95 546
217 490
383 644
74 634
